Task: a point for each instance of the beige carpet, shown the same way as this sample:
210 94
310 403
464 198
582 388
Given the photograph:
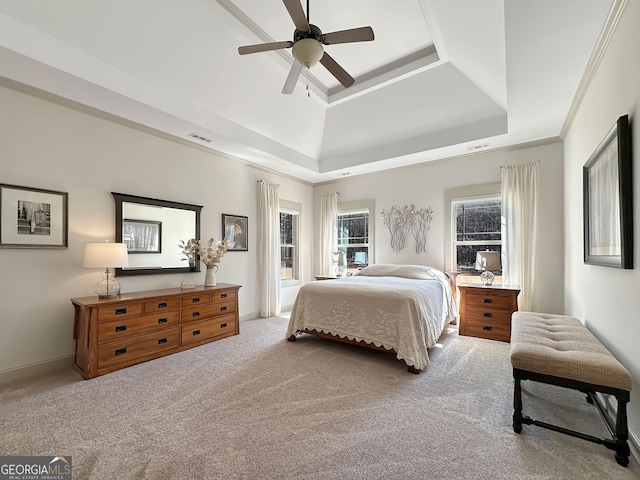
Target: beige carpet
255 406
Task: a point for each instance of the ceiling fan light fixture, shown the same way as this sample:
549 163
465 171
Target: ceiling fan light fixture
308 52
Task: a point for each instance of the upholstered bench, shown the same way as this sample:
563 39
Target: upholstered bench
560 350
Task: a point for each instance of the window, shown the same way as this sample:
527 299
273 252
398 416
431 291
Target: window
289 242
354 236
476 228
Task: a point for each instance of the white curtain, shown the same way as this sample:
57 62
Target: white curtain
519 230
328 231
269 249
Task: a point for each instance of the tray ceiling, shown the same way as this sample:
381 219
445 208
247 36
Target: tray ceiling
440 79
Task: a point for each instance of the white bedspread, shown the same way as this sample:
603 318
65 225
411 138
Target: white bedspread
406 314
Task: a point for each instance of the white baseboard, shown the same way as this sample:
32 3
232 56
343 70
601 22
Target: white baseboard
36 369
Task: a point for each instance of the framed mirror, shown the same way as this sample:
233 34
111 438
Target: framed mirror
152 230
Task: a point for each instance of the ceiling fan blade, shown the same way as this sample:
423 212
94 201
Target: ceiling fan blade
294 7
264 47
336 70
292 78
362 34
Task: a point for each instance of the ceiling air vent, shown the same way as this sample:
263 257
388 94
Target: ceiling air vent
200 137
471 148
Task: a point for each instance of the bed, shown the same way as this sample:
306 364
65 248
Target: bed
400 309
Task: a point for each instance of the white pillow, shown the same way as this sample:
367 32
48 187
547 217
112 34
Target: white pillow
421 272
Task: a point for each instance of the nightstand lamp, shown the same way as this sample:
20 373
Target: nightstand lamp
106 255
340 261
488 261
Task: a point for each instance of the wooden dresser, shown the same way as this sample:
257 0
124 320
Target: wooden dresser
131 328
485 311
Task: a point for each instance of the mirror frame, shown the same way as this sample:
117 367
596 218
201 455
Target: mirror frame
122 197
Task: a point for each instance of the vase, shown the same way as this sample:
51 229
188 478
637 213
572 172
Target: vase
210 275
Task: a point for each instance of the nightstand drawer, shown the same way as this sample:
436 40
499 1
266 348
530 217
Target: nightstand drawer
127 327
488 329
136 349
488 314
489 300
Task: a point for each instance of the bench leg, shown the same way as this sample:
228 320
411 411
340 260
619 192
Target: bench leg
622 433
517 405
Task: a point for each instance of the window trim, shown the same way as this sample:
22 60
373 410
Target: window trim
346 208
293 208
462 193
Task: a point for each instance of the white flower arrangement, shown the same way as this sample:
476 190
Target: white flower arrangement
210 254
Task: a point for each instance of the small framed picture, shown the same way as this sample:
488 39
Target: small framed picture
235 230
142 236
33 218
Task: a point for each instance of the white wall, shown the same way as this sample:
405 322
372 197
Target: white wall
602 297
50 146
425 185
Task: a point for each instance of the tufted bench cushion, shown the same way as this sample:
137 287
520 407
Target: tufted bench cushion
562 346
560 350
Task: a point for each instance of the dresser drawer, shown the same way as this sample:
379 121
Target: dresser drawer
198 331
195 299
488 314
223 296
119 310
488 329
133 326
194 314
161 305
136 349
491 300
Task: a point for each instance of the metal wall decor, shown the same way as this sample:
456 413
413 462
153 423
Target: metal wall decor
402 220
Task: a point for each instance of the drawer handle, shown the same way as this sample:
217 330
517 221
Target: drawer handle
195 314
487 300
224 295
121 311
162 305
120 351
121 328
196 332
195 300
223 325
223 309
487 314
161 341
162 320
486 327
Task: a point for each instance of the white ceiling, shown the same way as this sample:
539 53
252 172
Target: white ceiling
442 77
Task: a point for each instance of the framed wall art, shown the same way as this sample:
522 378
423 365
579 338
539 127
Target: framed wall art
607 198
235 230
33 218
142 236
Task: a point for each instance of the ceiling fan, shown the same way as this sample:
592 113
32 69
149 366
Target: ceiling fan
307 46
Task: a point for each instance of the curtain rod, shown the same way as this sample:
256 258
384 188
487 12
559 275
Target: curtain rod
262 181
520 164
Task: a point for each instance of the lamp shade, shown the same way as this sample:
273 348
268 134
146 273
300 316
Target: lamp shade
308 52
488 261
103 255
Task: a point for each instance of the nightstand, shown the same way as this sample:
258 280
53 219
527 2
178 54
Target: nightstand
326 277
485 311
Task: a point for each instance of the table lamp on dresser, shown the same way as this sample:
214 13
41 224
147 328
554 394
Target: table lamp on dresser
106 255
